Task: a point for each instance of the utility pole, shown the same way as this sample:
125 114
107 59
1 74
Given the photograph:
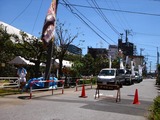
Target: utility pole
157 60
157 57
121 34
127 31
141 49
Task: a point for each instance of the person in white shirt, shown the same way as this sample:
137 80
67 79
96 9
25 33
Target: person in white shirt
22 77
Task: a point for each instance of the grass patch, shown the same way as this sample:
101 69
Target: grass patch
7 91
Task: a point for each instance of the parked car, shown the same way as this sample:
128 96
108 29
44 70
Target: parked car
129 77
110 76
121 75
138 77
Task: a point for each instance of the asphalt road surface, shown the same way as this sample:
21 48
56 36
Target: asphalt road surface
69 106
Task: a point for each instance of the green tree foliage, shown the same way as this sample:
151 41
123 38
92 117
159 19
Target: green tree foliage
29 48
77 68
88 65
155 109
99 63
33 50
158 76
116 63
6 54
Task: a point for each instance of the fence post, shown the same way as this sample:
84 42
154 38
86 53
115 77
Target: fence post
31 90
52 86
91 83
77 85
62 81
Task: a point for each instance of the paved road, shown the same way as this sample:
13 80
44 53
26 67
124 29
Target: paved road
69 106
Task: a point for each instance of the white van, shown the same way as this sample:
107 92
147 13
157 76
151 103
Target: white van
111 76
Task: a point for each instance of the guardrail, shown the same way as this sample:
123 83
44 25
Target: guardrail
53 81
13 82
78 84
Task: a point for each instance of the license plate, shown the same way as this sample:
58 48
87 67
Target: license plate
104 82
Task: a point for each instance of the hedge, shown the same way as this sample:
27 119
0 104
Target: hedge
155 109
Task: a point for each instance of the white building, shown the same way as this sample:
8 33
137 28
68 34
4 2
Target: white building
12 30
65 63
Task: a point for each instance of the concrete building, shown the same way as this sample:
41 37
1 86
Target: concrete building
95 52
113 51
128 48
13 30
74 49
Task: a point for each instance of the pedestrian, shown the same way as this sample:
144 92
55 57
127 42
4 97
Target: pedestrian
22 78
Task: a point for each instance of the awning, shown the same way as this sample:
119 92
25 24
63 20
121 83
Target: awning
20 61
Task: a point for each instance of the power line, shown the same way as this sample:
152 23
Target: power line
81 19
146 45
37 16
125 22
148 34
151 56
102 15
117 16
21 12
116 10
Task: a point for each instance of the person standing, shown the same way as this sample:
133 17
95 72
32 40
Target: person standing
22 72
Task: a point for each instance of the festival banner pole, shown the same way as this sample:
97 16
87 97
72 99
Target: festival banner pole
48 36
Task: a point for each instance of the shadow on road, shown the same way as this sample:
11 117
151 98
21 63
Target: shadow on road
123 107
107 104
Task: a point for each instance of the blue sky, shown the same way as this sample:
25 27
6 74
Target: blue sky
29 15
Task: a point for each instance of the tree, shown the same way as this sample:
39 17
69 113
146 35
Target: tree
77 68
88 65
6 54
6 44
99 63
63 40
33 50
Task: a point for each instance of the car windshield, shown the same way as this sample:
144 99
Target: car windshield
121 71
128 72
107 72
136 74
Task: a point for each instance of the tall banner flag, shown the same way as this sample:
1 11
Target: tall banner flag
48 35
110 62
132 68
49 23
121 64
126 62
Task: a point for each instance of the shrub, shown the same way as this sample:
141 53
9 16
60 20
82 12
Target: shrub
155 109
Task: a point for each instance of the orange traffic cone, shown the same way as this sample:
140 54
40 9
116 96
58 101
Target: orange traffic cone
83 94
136 101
